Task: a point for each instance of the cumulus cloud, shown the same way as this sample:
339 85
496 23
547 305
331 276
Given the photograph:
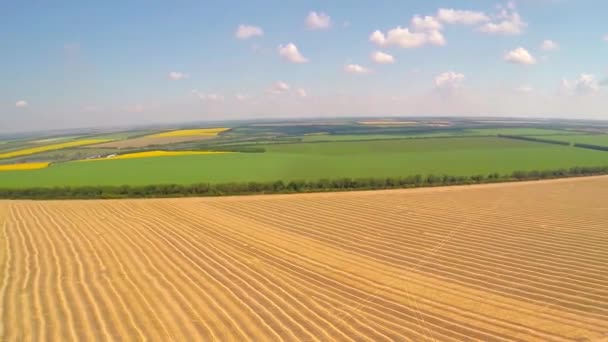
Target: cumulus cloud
280 87
449 80
520 56
506 22
585 84
382 58
248 31
452 16
406 38
302 93
549 45
291 53
356 69
318 21
21 104
175 75
425 23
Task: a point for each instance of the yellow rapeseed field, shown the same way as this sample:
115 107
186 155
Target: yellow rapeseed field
151 154
23 166
45 148
190 132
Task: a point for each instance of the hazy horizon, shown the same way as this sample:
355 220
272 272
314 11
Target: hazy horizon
114 64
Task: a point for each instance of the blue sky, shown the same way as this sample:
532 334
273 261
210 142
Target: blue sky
76 64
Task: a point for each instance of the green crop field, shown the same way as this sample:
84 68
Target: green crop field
520 131
438 134
312 161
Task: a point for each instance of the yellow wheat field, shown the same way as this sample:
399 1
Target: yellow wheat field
507 262
190 132
152 154
24 166
51 147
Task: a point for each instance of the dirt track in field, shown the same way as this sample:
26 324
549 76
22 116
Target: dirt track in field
526 261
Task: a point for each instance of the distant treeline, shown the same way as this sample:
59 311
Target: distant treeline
541 140
592 147
280 187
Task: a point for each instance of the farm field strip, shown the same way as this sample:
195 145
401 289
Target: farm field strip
51 147
190 132
23 166
363 266
154 154
146 141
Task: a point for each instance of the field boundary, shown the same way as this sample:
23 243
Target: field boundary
281 187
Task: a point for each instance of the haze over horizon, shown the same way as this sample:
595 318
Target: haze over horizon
112 63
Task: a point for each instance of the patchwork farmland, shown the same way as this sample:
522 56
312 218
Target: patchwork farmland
374 266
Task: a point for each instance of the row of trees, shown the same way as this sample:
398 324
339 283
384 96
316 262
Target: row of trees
278 187
541 140
592 147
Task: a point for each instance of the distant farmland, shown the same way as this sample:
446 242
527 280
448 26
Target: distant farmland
385 265
322 160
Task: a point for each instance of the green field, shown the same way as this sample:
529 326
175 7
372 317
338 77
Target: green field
591 139
438 134
358 159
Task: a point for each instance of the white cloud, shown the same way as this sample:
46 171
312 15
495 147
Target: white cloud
248 31
242 97
356 69
425 24
318 21
520 56
280 87
606 38
21 104
175 75
452 16
382 58
449 79
507 22
291 53
405 38
302 93
584 85
549 45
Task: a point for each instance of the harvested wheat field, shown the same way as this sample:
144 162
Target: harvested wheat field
517 262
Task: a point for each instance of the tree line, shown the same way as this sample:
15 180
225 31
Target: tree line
541 140
281 187
592 147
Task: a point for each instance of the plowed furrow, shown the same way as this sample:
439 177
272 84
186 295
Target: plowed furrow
227 286
225 228
468 274
245 224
